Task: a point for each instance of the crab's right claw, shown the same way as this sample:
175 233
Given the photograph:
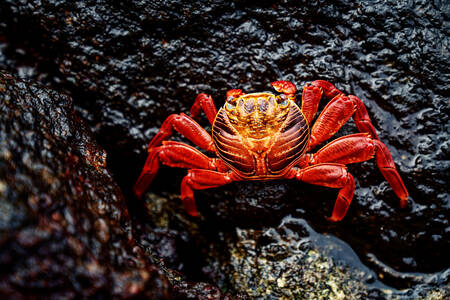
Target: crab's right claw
285 87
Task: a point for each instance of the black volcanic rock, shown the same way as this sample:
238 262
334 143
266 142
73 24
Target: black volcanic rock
128 65
65 231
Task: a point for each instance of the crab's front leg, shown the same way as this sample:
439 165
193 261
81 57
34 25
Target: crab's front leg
187 127
329 175
311 96
199 180
173 154
337 112
361 117
204 102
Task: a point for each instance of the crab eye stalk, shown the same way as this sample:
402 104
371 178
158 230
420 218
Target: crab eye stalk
231 99
282 101
230 106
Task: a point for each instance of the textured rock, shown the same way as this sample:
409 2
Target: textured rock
292 261
128 67
287 260
64 228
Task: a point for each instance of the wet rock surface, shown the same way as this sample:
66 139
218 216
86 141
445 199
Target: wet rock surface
65 231
64 228
286 260
128 67
292 261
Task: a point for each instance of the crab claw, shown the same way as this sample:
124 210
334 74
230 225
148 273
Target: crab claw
285 87
235 93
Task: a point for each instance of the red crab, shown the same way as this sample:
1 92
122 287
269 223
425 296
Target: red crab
262 136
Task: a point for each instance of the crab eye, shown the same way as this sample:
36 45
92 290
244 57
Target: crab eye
282 101
230 106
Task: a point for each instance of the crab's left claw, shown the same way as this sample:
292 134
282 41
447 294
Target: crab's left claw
285 87
235 93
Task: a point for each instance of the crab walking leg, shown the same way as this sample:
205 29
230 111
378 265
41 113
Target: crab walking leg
362 119
173 154
334 176
204 102
337 112
186 126
360 147
197 179
311 96
328 88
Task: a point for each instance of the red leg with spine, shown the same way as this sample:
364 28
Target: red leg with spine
362 119
334 176
173 154
337 112
311 96
204 102
186 126
328 88
360 147
198 180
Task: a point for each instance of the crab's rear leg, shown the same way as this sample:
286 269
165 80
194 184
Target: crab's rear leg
360 147
204 102
173 154
330 175
199 180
